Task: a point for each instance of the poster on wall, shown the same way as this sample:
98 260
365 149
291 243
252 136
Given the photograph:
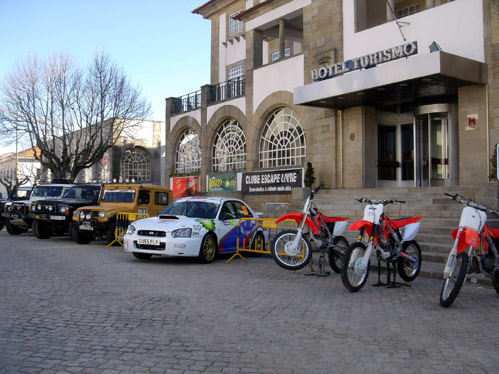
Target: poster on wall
222 182
185 186
272 182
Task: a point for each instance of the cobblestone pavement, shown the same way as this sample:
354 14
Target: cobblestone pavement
68 308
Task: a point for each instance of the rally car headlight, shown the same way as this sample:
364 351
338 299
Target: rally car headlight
64 210
131 230
102 214
182 233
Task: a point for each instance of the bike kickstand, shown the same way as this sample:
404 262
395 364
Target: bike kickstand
396 284
379 276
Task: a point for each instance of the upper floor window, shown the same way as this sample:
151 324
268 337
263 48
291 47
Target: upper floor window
188 153
275 55
236 72
408 10
283 140
235 25
136 165
229 148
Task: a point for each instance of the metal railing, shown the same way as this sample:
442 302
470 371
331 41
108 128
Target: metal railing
227 90
187 102
231 89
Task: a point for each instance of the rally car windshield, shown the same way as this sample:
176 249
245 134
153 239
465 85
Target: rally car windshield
198 209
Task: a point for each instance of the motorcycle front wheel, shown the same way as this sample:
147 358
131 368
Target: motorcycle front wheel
352 279
290 259
409 269
336 255
453 284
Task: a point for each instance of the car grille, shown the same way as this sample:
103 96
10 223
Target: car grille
18 208
153 233
45 208
161 246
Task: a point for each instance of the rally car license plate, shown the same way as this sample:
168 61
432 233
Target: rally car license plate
148 241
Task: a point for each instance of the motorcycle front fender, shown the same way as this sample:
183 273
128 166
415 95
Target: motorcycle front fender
466 237
298 217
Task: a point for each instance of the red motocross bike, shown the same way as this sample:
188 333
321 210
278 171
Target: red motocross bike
292 249
392 240
475 250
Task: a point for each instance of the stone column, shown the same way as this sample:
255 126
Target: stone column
390 10
282 38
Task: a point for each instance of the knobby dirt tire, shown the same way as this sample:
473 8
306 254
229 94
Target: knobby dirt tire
407 269
285 260
354 282
335 256
80 237
453 284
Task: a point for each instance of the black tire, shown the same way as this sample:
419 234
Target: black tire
1 226
142 256
41 229
407 269
13 230
335 256
208 251
495 281
80 237
257 244
453 284
286 260
354 282
111 233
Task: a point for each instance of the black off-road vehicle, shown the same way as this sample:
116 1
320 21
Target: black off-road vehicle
18 193
16 213
53 216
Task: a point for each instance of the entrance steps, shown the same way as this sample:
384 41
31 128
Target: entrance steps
440 217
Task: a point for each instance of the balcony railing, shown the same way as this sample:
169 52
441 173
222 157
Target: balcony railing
187 102
216 93
226 90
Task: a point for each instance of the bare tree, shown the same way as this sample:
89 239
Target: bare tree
73 115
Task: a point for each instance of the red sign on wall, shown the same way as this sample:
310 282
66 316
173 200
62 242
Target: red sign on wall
185 186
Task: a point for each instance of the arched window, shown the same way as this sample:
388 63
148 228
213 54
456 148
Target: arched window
136 165
283 140
188 153
229 148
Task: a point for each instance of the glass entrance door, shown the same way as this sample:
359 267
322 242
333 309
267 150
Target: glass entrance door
396 155
432 166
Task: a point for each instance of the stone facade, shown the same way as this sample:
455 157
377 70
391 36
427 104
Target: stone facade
342 128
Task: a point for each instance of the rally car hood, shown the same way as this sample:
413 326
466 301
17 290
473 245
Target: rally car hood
169 223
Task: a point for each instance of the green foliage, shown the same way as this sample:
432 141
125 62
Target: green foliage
309 175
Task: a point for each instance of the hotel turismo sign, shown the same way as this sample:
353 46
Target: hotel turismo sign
364 62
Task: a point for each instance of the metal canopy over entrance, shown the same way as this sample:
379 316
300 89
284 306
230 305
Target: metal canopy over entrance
411 80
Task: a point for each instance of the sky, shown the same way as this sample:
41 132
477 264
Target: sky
161 46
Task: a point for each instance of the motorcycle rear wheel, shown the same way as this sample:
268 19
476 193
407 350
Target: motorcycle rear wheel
287 260
407 269
354 282
336 256
453 284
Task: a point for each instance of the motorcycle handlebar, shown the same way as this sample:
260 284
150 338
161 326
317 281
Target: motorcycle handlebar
384 202
471 203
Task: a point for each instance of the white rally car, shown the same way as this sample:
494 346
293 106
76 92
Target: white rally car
199 227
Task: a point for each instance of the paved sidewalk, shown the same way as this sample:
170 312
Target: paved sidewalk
68 308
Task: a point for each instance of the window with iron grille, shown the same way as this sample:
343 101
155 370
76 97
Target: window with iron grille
236 71
229 148
235 25
283 140
188 153
136 165
407 11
